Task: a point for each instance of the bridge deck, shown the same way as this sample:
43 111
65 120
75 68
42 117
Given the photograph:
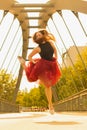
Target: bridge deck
43 121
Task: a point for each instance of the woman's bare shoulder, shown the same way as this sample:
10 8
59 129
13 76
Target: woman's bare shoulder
52 43
37 49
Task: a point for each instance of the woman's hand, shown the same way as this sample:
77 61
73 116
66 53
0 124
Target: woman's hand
34 52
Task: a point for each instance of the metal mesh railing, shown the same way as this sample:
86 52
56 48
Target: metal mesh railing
77 102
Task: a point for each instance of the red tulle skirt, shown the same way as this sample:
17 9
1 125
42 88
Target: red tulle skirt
46 71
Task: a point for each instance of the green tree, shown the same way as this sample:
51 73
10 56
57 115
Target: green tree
7 85
36 97
73 80
82 68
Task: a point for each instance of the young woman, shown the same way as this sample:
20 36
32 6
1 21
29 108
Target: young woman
44 69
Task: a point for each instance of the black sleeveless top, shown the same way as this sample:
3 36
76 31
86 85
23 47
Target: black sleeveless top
46 51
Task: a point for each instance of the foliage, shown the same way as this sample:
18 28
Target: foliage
36 97
7 85
73 79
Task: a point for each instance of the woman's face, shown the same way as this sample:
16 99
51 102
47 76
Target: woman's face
39 35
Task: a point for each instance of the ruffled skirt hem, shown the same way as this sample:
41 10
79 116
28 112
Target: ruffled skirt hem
47 72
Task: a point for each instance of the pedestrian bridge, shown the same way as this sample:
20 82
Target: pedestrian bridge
43 120
66 19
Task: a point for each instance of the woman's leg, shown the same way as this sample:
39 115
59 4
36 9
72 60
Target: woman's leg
48 93
22 62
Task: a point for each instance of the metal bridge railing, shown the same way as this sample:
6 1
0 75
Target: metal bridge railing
77 102
8 107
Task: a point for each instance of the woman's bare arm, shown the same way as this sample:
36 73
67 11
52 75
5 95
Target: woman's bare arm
34 52
54 48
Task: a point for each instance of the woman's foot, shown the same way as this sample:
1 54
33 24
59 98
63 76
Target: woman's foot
51 109
22 61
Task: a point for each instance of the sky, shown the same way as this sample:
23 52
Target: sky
13 40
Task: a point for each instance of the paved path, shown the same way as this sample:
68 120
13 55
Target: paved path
43 121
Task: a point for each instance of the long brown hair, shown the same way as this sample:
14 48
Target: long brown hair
46 36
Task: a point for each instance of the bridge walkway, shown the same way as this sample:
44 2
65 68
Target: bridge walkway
43 121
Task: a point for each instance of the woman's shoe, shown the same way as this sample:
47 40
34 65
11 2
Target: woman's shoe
51 109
